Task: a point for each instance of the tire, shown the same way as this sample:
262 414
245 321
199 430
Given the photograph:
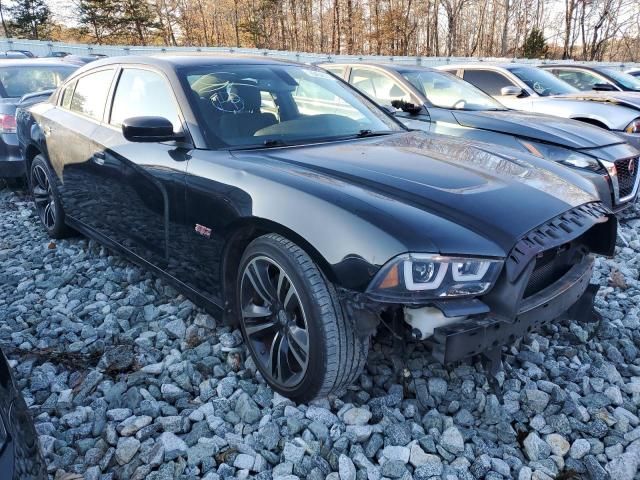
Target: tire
335 353
44 189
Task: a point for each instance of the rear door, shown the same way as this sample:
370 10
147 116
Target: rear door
69 129
142 184
491 82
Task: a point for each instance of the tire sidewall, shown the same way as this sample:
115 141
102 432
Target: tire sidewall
317 364
59 229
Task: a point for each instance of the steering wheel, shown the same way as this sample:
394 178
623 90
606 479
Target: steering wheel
226 101
458 104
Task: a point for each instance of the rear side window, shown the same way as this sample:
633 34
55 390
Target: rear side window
382 88
143 93
90 94
67 95
487 81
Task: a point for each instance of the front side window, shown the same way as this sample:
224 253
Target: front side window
488 81
382 88
447 91
91 92
265 105
18 81
542 82
143 93
624 79
580 79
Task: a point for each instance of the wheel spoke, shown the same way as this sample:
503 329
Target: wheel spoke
261 282
256 311
275 360
260 328
48 216
289 295
299 345
40 195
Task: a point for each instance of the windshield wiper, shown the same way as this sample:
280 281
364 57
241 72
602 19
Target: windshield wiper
373 133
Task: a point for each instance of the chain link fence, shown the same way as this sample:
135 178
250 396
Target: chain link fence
43 48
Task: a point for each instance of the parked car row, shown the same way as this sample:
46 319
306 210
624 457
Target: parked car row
308 215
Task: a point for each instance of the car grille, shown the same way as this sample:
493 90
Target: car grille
551 265
627 170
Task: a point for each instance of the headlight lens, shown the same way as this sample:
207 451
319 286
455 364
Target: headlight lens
561 155
427 276
633 127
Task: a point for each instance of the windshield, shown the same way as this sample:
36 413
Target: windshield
269 105
447 91
20 80
624 79
542 82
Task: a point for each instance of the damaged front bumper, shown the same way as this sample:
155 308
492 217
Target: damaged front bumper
571 297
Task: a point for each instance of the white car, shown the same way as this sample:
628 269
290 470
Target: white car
523 87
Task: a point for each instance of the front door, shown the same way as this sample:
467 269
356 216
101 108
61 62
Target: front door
143 183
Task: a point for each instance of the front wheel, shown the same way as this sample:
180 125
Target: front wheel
302 342
47 199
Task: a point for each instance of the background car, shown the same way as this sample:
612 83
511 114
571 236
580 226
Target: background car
26 53
20 455
594 77
12 55
19 78
57 54
438 102
228 176
523 87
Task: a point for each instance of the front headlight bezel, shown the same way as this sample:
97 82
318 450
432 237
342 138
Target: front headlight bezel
633 127
565 156
395 281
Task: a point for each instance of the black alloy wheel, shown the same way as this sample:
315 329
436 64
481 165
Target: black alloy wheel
46 198
303 343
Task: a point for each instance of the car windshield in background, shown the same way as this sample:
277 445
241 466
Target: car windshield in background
269 105
17 81
447 91
542 82
624 79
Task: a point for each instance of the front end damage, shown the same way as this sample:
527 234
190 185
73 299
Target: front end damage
545 277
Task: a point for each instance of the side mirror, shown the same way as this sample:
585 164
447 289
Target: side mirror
407 107
149 129
603 87
511 91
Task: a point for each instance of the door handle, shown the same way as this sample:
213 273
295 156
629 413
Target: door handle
98 158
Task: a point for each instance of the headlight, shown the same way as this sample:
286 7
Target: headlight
633 127
419 276
561 155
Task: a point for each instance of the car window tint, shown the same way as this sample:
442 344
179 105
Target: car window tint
143 93
382 88
91 93
580 79
487 81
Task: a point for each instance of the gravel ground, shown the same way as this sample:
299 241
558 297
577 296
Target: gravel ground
127 379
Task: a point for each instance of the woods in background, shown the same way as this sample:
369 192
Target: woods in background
578 29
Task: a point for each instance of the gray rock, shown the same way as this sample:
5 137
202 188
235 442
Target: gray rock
559 445
356 416
293 453
126 449
173 446
247 409
579 448
535 448
346 468
452 441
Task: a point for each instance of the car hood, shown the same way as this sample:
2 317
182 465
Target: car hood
494 195
626 99
546 128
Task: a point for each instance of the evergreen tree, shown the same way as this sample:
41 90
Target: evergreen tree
30 19
98 18
535 45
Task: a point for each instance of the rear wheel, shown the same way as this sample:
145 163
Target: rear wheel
47 199
300 338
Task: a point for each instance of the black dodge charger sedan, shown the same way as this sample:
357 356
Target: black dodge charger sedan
280 194
20 457
439 102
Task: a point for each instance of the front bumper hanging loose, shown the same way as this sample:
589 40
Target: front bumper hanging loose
571 297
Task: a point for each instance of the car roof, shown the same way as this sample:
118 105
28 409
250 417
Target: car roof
176 60
387 66
504 65
33 62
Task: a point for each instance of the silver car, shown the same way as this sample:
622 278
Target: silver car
523 87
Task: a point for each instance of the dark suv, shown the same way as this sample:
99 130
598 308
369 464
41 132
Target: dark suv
279 195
